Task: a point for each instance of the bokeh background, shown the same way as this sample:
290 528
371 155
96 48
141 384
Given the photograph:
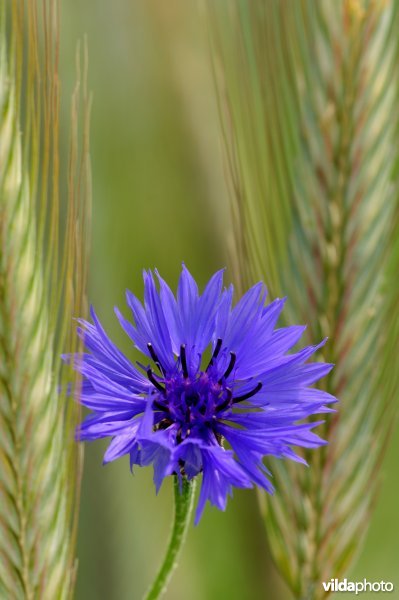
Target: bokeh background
160 198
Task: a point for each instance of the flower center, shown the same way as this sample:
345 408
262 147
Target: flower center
192 403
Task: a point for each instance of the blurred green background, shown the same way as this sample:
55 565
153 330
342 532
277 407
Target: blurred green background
160 198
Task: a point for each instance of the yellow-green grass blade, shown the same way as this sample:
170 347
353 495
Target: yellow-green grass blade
40 291
308 97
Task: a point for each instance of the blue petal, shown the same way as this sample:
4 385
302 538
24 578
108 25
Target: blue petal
243 316
171 314
207 309
158 449
190 453
105 354
157 322
110 402
223 314
102 425
187 300
120 445
266 349
249 458
220 473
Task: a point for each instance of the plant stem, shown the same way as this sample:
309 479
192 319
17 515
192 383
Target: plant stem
184 498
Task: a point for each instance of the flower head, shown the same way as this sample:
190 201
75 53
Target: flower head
216 393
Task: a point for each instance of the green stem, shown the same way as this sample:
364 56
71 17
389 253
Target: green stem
184 498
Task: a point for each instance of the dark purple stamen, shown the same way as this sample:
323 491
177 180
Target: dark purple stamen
151 377
160 406
215 353
233 358
155 357
256 389
226 403
183 360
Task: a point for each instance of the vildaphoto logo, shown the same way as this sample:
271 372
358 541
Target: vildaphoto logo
335 585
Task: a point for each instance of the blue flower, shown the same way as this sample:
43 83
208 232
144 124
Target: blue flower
217 391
